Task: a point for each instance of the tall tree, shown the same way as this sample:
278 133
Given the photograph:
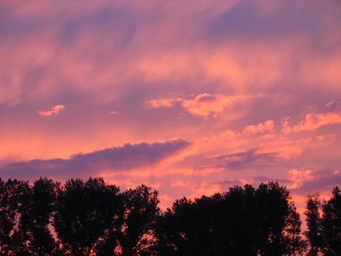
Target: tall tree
313 219
331 224
15 203
242 221
7 218
295 244
43 206
141 213
178 229
86 213
272 212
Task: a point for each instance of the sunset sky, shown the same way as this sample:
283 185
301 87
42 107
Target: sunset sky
188 97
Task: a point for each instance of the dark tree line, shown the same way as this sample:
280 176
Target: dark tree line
324 224
77 218
95 218
242 221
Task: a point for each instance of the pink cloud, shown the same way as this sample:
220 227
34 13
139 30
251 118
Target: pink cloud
163 103
55 110
298 178
206 104
320 181
286 128
260 128
314 121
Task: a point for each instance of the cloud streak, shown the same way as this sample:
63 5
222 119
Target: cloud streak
313 121
55 110
241 160
319 181
166 103
126 158
204 104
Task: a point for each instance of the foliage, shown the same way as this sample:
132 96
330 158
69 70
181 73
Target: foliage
324 231
15 207
86 213
141 212
243 221
331 224
313 220
95 218
43 206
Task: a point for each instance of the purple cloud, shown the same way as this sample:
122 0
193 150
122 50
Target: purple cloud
128 157
245 159
325 181
250 20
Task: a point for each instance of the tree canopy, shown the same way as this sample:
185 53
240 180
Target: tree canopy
95 218
324 224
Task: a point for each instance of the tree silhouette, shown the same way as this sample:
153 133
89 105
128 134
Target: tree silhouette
273 210
93 217
295 244
14 215
331 224
86 213
141 212
324 232
7 218
43 205
313 220
176 229
242 221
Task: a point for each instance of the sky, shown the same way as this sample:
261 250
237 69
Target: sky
187 97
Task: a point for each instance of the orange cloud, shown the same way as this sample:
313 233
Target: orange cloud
314 121
286 128
299 177
163 103
260 128
205 104
286 148
55 110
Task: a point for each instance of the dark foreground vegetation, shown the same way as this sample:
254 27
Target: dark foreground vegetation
95 218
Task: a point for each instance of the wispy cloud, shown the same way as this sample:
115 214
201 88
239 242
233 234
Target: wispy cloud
319 181
166 103
313 121
248 158
203 104
206 103
55 110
